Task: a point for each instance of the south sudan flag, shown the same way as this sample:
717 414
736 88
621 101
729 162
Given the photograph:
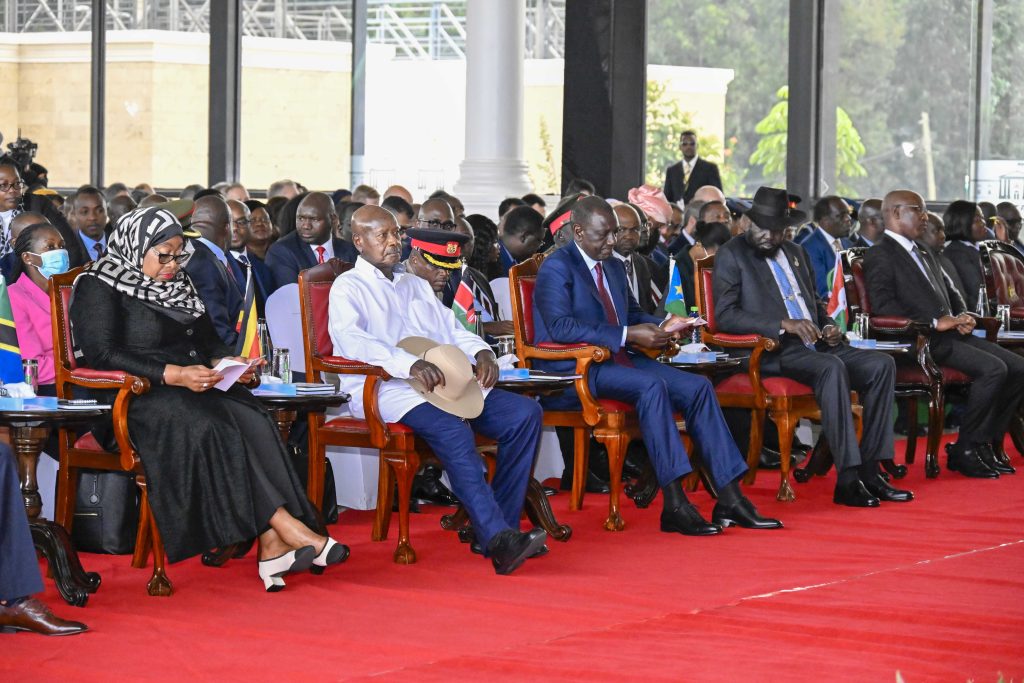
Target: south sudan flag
10 351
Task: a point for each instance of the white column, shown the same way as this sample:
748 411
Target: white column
493 168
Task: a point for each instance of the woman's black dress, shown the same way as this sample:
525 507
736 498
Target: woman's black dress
216 470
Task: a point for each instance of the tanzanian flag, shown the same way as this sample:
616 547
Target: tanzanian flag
674 302
10 351
463 308
837 297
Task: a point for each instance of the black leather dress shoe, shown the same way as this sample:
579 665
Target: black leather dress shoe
880 489
968 462
510 548
742 514
993 461
478 549
687 521
34 616
428 489
854 494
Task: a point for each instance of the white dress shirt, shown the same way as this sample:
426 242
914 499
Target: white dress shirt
630 274
328 250
909 246
370 314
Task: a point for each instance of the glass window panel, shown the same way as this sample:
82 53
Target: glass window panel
45 60
720 68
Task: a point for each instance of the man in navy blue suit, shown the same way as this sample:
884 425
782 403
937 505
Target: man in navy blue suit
313 241
19 568
831 236
210 267
581 296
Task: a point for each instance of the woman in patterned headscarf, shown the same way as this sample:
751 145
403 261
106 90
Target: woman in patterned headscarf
216 469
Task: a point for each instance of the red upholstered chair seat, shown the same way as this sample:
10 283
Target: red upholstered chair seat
611 406
357 425
774 386
89 443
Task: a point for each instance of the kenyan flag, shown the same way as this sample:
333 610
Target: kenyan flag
836 308
462 307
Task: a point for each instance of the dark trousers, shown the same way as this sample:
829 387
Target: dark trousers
832 371
514 422
19 569
996 389
659 390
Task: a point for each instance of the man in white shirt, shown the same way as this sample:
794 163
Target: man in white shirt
372 308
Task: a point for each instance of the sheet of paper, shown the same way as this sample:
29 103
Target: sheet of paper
232 370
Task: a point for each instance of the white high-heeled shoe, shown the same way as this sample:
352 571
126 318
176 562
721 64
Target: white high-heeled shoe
273 569
332 553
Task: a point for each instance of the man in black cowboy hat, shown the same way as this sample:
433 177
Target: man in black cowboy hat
765 285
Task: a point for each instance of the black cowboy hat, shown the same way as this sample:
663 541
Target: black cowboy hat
770 210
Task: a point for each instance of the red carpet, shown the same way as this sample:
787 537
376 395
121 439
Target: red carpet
933 589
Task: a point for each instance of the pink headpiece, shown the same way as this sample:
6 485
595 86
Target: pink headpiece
653 203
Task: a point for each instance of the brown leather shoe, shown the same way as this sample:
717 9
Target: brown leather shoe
32 615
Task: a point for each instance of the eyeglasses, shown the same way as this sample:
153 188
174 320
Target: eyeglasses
7 187
181 259
437 225
243 222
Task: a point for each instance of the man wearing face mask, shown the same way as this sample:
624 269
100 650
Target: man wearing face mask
40 254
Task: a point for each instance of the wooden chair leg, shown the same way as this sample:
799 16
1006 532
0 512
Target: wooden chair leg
385 499
143 537
936 421
405 466
616 444
756 444
317 464
67 491
786 426
580 467
159 584
911 452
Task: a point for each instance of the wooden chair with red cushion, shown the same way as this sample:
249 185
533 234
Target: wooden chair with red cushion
400 454
784 400
1004 278
612 423
85 452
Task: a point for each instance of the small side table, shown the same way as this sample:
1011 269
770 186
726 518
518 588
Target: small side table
30 427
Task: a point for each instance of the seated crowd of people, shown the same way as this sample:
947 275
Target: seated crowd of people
165 279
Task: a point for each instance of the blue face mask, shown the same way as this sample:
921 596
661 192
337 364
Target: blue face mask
53 262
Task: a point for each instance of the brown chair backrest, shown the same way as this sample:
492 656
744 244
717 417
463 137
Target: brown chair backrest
314 301
703 275
860 285
1005 273
61 288
855 297
522 278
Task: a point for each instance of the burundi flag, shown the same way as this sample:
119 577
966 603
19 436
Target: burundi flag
463 308
674 302
248 344
837 297
10 351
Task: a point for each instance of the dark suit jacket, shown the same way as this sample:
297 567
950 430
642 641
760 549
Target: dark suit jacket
567 308
819 249
704 173
859 241
747 297
218 289
896 286
287 256
42 205
967 261
6 266
642 270
949 270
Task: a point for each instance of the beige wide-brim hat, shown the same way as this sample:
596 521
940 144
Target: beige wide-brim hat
461 394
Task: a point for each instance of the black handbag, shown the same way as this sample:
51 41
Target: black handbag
106 513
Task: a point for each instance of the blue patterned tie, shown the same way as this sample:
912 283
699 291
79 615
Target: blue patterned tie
788 295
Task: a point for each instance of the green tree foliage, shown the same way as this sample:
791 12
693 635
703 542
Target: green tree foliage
771 149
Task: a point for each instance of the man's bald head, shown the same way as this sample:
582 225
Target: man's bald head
627 236
211 218
25 220
905 212
376 237
316 218
709 193
398 191
438 211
